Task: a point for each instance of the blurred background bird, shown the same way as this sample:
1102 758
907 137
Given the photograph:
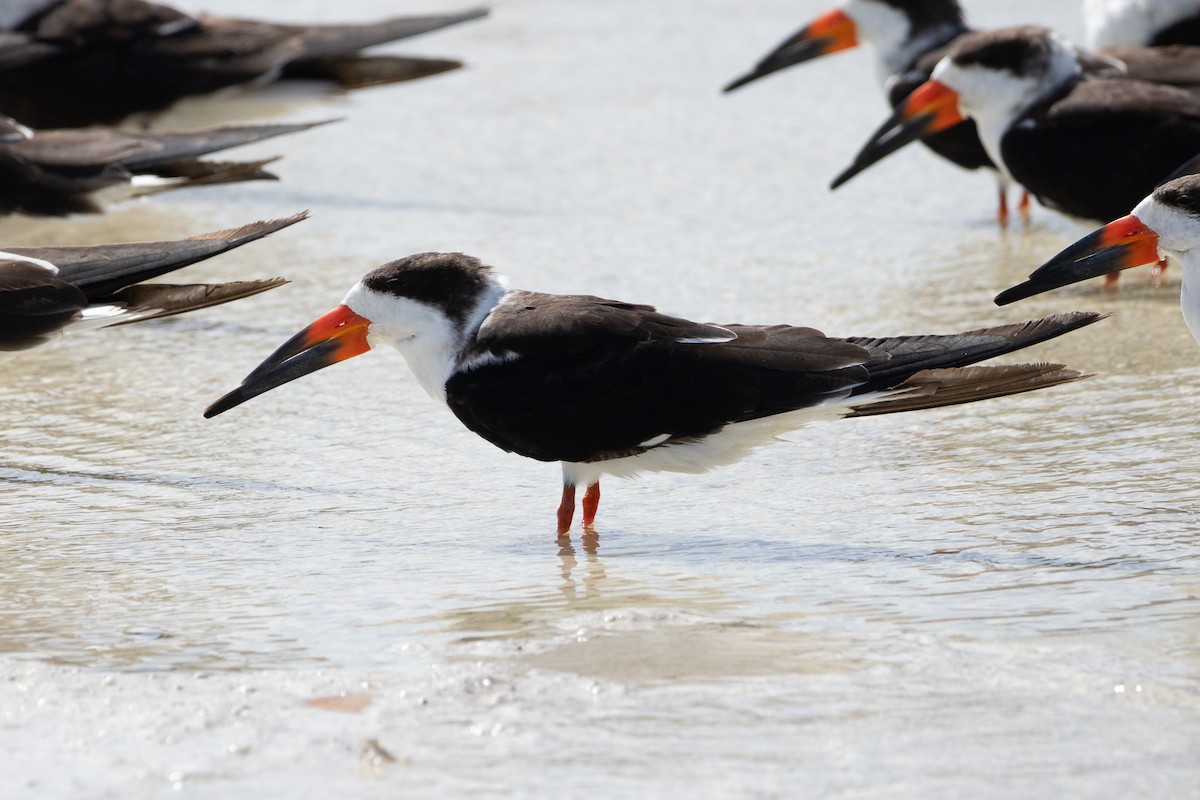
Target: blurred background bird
56 172
46 291
70 63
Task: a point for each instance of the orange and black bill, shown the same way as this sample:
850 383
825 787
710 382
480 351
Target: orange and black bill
932 107
338 335
1119 245
828 33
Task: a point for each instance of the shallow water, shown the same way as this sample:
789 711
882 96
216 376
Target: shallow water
979 601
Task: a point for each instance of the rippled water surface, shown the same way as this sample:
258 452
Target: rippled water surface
335 590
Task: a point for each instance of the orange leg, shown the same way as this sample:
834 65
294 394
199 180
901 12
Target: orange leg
566 509
591 502
1002 211
1110 281
1024 205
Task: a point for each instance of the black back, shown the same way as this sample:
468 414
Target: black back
585 379
1101 148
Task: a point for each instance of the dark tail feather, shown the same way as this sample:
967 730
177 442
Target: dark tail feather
357 72
164 299
180 145
903 356
101 270
332 40
934 388
197 172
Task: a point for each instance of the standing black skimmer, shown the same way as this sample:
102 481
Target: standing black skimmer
47 290
1164 225
69 63
1141 23
53 172
909 37
1087 146
612 388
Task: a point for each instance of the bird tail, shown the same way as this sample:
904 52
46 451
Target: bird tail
330 40
353 71
198 172
102 270
154 300
913 372
174 146
934 388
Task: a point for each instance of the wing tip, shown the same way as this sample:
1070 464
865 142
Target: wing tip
235 237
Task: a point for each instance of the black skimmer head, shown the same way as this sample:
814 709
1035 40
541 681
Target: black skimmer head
992 77
900 30
45 291
1141 23
613 388
1164 225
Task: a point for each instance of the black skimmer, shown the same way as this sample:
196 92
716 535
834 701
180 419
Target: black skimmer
612 388
45 291
909 37
54 172
1141 23
1164 225
69 63
1088 146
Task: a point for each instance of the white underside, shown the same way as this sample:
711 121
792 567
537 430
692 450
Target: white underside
732 443
1132 23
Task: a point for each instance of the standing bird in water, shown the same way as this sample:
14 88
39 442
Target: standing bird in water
70 63
612 388
1088 146
1164 225
909 37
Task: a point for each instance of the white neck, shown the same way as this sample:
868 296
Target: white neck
430 342
996 98
888 30
1176 230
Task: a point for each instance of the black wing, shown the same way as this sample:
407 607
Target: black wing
584 379
34 304
587 378
1178 65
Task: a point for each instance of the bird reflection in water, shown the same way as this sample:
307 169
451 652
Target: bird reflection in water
593 573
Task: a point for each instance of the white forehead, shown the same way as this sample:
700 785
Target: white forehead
1132 23
982 89
382 308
